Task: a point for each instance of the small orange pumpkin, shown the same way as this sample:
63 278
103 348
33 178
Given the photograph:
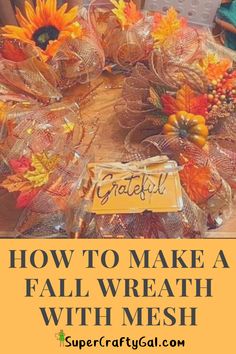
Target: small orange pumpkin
187 126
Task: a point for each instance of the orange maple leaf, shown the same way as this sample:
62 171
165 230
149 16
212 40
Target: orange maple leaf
126 12
215 71
166 26
186 100
198 182
132 13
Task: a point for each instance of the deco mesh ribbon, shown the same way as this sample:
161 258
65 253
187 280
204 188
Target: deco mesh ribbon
43 140
38 164
174 107
181 103
122 30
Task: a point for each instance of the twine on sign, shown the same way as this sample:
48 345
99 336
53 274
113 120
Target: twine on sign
138 168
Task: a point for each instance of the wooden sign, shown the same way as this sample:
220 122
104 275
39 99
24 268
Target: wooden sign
152 185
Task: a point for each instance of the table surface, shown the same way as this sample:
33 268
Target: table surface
107 146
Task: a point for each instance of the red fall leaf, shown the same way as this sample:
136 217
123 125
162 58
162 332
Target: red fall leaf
20 166
11 52
25 199
186 100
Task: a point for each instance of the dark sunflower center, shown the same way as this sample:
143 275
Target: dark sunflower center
44 35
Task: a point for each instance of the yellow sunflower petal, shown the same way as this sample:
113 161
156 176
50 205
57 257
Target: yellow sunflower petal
53 47
15 31
70 16
62 10
41 18
52 6
39 8
30 13
44 13
75 30
58 19
21 19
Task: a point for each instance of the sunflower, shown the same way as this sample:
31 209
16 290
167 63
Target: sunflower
45 26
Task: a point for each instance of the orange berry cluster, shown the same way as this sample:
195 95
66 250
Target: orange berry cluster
218 95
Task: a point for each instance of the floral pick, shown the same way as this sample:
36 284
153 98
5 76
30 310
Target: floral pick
165 26
45 26
214 70
126 12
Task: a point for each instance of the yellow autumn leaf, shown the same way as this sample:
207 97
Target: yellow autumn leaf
166 27
119 11
210 58
68 127
43 168
126 12
75 30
